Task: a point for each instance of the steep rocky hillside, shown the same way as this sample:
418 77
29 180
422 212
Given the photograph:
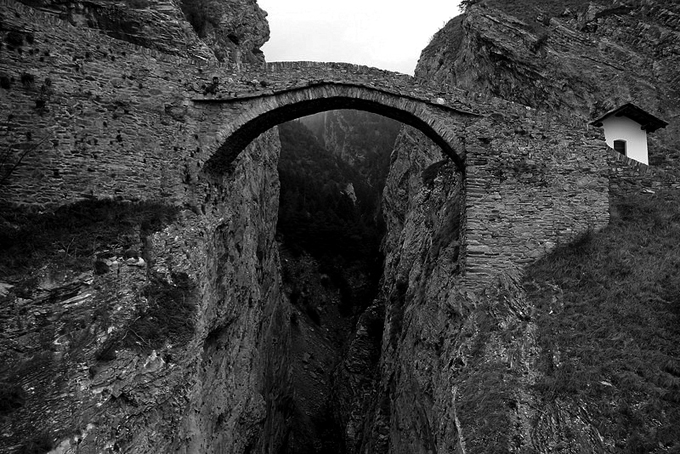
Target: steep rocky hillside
573 353
234 29
579 56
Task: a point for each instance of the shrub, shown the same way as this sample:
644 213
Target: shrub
12 397
465 4
27 79
15 38
430 173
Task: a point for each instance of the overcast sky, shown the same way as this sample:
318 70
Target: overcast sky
386 34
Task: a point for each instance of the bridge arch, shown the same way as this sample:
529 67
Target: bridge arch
258 113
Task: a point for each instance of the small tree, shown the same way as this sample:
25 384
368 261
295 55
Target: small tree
10 158
465 4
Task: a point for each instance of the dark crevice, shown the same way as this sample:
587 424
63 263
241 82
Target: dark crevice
329 234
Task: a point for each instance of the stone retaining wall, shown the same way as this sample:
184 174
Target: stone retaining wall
529 191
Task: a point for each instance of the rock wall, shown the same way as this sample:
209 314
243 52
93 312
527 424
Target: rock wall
528 189
229 31
241 349
96 116
424 210
234 29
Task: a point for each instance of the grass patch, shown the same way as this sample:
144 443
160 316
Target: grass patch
608 311
72 234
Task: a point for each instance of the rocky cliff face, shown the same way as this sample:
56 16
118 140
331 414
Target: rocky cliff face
455 372
586 58
234 29
162 339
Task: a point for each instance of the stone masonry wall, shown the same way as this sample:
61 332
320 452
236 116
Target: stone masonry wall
113 123
530 186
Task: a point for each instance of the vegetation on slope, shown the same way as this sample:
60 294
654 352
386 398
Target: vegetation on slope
316 212
329 235
70 236
608 312
364 139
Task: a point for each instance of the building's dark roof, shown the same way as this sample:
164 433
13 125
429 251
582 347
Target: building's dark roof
649 122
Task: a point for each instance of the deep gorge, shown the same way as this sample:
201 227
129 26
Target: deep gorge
329 245
149 303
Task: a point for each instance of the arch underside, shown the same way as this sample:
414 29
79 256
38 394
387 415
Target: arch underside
238 140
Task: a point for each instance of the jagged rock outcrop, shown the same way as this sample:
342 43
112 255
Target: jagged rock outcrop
156 24
423 205
234 29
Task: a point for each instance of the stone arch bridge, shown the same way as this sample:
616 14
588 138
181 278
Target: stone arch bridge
259 100
531 179
126 122
122 122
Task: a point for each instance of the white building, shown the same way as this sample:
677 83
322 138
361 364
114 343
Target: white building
626 128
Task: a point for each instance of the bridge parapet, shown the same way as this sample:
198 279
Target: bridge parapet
277 77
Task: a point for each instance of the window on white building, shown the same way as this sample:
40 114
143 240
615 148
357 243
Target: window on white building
620 146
